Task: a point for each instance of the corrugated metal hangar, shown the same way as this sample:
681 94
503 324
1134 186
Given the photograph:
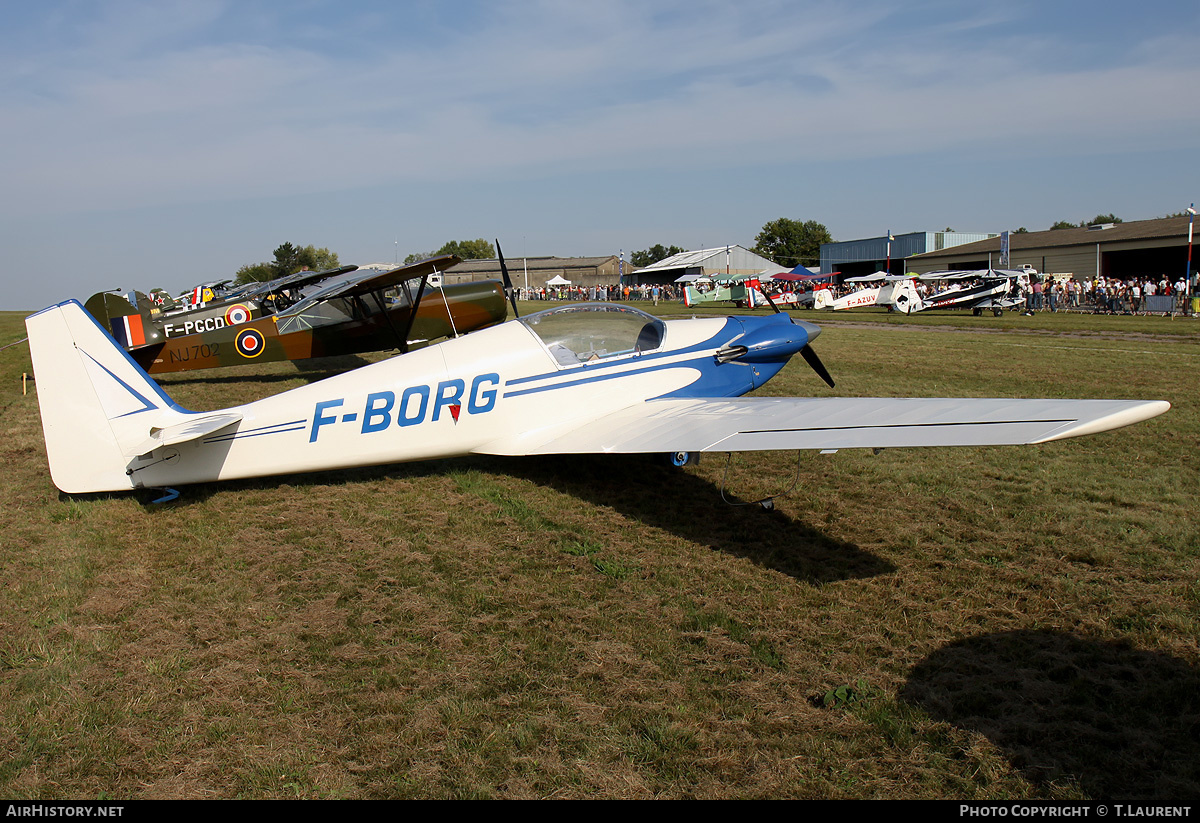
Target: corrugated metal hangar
720 262
1112 250
851 258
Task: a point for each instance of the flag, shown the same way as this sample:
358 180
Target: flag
128 330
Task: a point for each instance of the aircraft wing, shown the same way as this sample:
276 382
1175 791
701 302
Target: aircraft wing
786 423
297 280
382 280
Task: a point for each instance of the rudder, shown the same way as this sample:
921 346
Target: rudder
97 406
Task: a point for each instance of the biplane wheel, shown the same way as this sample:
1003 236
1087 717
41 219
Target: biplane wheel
976 312
680 459
997 312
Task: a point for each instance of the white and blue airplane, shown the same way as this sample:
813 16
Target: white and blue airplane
584 378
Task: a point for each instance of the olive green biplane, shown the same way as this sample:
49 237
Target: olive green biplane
356 311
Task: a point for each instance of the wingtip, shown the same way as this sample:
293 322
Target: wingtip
1125 415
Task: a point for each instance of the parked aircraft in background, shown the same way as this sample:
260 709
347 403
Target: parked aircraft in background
596 378
136 319
896 291
982 290
749 290
361 312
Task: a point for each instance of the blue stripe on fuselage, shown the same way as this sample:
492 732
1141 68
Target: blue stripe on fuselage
731 379
570 375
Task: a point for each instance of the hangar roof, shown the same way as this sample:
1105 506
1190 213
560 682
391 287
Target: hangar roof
532 263
1134 230
741 258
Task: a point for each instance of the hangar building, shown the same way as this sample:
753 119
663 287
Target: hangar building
1110 250
851 258
721 262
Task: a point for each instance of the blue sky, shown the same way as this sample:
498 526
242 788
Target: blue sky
160 144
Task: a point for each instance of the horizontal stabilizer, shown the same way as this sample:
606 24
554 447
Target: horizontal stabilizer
183 432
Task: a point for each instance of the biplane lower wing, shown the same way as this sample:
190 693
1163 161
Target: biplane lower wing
786 423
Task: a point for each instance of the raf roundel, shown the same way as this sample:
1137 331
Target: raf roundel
249 343
236 315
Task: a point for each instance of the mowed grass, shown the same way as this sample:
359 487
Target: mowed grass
1016 622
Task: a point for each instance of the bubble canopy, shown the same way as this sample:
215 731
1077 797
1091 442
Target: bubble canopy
595 331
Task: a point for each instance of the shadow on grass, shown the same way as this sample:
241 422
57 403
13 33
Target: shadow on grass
1120 722
646 489
641 488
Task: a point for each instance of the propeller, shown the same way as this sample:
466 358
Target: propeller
810 357
770 302
809 354
508 286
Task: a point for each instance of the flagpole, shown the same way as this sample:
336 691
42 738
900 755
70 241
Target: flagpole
1188 277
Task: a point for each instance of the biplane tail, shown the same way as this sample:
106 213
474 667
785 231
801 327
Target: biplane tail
129 325
100 410
905 297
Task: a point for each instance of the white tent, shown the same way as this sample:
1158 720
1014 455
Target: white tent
558 280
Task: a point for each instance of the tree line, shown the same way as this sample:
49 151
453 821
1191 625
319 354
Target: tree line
784 241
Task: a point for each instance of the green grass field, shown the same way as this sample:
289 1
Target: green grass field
1018 622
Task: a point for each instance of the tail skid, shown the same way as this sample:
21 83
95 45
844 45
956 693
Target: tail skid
99 409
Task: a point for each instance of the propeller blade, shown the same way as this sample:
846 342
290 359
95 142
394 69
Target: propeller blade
810 357
770 302
508 286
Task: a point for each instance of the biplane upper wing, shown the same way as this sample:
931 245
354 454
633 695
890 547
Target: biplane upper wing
786 423
297 280
971 274
383 280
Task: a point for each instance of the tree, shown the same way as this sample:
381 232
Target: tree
652 255
1102 218
790 242
288 260
1063 224
478 249
318 259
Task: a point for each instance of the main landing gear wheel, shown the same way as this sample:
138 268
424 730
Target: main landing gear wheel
681 459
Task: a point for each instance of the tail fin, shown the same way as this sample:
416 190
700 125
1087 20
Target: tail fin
129 325
99 409
822 299
906 298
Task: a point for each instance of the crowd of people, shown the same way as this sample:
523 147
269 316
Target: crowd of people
1098 295
1108 295
645 291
